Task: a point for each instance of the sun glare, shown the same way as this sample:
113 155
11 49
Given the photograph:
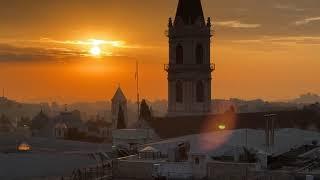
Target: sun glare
95 51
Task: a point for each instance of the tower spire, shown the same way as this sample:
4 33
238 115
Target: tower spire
189 11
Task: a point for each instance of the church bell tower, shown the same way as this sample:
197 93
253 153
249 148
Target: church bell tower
189 69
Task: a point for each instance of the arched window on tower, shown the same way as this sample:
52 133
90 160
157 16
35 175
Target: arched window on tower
179 54
199 54
200 91
179 92
197 161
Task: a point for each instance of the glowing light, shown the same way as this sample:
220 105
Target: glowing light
95 51
97 42
219 126
24 147
222 127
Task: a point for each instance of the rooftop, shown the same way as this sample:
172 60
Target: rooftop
171 127
221 142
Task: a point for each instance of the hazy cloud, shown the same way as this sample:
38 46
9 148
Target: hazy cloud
92 42
14 53
236 24
307 20
288 7
290 40
45 49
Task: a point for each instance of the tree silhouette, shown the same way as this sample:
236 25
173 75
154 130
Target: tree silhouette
121 124
5 123
145 112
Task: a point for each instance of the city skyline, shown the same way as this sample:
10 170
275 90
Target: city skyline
170 89
51 56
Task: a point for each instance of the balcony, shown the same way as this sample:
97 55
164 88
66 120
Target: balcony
189 67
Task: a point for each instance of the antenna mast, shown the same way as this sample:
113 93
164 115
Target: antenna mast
137 81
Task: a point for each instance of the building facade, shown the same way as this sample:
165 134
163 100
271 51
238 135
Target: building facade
189 69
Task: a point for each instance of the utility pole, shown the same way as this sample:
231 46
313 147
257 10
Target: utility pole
270 130
246 137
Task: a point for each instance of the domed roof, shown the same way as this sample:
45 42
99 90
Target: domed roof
41 115
119 96
39 121
149 149
61 126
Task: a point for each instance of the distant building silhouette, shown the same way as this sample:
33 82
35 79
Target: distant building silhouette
40 125
68 124
189 69
119 108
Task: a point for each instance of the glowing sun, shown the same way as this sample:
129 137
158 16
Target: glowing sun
95 51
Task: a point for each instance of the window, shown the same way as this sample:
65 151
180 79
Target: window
196 161
200 91
179 92
179 54
199 54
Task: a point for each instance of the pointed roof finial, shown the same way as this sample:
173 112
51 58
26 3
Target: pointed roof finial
119 95
170 22
209 22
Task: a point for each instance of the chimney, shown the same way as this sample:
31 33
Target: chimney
270 130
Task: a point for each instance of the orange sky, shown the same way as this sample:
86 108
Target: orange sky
44 48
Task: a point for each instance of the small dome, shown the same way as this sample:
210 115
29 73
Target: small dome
149 149
39 121
61 126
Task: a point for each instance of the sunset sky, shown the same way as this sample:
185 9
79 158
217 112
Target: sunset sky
262 49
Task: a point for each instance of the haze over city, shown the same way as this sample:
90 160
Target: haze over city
159 90
81 50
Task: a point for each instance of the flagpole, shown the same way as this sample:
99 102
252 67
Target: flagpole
137 81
